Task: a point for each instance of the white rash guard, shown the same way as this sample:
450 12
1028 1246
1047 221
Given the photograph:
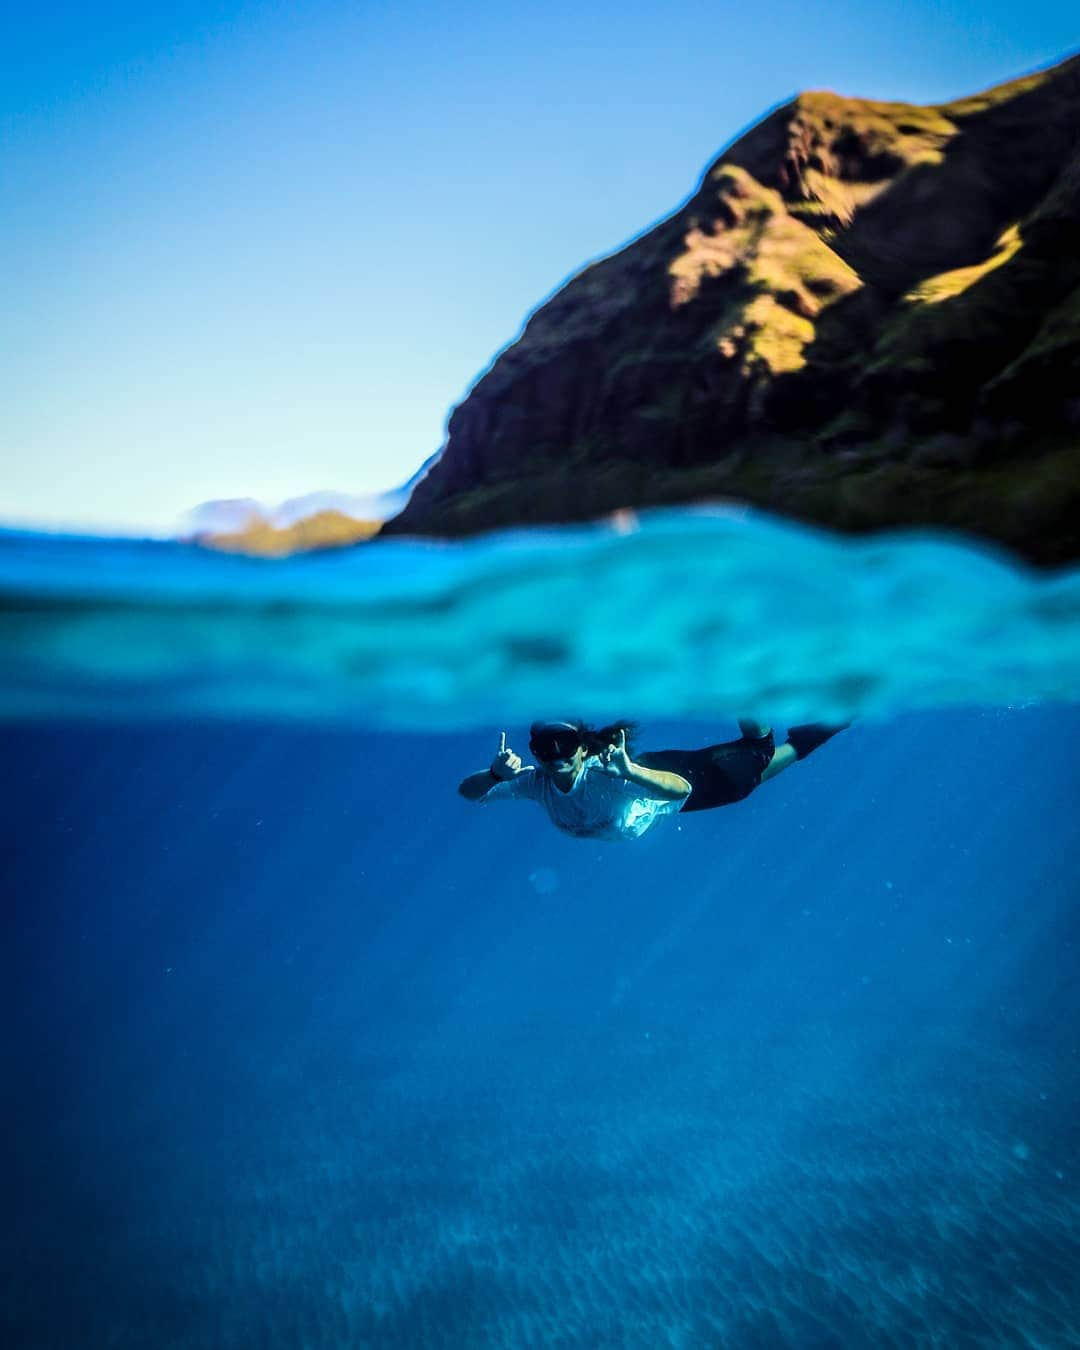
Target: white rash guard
598 806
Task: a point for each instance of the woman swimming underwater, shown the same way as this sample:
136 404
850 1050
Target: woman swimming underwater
590 786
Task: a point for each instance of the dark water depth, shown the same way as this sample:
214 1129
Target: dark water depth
302 1050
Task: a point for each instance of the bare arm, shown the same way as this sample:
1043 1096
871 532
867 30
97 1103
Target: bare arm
504 766
661 784
477 785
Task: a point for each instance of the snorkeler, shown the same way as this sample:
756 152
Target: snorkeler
590 786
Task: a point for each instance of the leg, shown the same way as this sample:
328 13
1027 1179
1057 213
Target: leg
808 737
784 756
719 774
800 742
722 774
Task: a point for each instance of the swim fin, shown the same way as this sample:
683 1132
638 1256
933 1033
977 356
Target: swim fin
812 734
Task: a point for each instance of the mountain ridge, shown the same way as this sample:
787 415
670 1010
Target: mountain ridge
867 314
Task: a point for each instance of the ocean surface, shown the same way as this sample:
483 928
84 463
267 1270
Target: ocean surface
301 1049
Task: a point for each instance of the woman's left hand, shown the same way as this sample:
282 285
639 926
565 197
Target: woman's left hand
614 760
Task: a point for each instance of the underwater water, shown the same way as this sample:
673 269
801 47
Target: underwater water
303 1049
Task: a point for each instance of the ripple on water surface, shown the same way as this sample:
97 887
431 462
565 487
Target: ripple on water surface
691 613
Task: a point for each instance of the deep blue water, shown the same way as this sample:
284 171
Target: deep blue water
303 1050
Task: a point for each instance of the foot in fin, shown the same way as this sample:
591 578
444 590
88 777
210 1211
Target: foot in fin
808 737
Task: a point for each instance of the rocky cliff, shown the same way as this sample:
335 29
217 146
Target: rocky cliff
867 315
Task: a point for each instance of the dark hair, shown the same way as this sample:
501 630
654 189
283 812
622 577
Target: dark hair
596 739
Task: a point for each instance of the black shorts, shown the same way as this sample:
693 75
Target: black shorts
719 774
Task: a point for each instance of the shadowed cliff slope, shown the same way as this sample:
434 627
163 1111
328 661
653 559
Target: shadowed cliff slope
867 315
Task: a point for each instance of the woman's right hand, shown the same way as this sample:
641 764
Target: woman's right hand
506 764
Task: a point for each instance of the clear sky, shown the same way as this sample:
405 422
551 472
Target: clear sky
259 249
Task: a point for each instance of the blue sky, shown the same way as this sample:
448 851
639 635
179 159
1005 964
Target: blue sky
262 249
